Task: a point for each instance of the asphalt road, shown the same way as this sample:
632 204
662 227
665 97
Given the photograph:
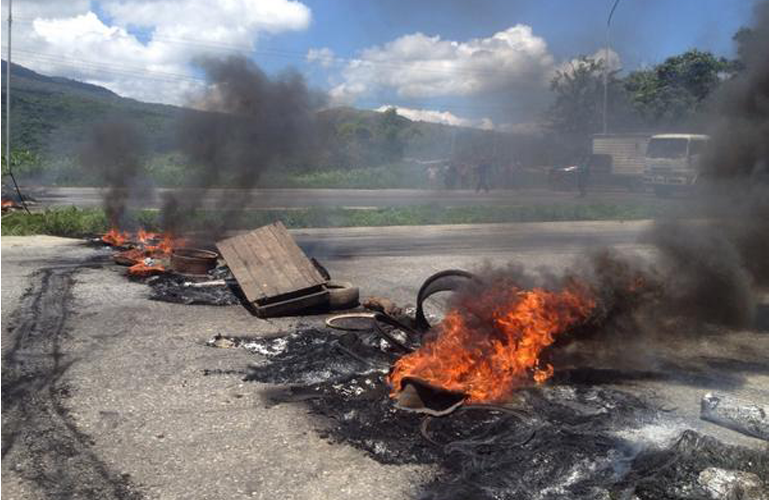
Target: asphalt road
109 395
477 240
361 198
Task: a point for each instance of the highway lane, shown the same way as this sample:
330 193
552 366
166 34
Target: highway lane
361 198
472 240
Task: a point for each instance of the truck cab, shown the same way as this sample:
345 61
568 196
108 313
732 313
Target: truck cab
671 162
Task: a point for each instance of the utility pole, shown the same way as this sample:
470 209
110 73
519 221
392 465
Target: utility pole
8 109
605 65
8 93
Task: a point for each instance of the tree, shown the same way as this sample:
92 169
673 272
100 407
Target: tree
578 107
23 163
673 92
390 127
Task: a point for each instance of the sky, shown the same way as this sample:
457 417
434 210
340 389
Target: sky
483 63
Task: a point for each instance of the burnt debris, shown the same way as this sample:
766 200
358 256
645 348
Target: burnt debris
220 290
568 440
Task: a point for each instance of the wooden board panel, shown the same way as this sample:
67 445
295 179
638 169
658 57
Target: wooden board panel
268 263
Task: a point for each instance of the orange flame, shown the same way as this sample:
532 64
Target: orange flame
487 362
115 237
166 244
134 254
145 244
140 269
144 236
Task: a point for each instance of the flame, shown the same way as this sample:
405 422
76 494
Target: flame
134 254
486 358
115 237
166 244
146 244
140 269
144 236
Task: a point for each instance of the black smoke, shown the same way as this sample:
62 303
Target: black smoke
708 266
717 254
245 123
115 153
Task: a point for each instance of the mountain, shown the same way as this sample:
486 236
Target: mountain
51 115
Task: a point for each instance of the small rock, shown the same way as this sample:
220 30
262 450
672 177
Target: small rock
221 342
383 305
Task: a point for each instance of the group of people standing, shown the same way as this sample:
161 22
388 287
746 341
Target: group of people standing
481 175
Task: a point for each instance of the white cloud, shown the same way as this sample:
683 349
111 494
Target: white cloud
417 66
31 9
323 56
223 21
443 117
75 43
600 55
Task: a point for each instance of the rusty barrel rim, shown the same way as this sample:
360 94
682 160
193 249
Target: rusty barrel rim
195 261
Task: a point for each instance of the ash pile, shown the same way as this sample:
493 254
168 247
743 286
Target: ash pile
390 384
567 440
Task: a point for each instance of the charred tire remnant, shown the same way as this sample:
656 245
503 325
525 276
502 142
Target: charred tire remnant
376 318
39 438
443 281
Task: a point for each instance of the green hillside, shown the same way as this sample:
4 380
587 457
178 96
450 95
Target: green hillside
52 117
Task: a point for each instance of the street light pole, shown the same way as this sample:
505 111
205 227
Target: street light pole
8 93
8 111
605 65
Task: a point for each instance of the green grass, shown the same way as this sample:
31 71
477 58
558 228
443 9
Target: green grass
390 176
73 222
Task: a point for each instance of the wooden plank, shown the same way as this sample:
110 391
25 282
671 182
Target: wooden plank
270 272
247 276
239 268
296 270
299 256
294 306
269 264
288 268
257 267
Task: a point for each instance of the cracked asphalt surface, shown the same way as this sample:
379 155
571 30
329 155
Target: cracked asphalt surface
109 395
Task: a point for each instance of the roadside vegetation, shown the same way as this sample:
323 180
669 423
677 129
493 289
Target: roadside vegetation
357 148
74 222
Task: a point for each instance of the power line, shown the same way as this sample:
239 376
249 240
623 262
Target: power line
141 73
295 55
105 65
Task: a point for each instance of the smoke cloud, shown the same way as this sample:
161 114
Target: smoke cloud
115 154
708 265
245 123
718 253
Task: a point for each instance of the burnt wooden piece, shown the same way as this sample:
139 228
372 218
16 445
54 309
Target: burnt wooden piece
273 272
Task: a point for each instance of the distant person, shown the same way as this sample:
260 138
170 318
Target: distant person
583 174
432 176
450 175
465 175
484 170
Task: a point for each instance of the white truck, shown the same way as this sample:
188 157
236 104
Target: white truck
671 162
619 159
